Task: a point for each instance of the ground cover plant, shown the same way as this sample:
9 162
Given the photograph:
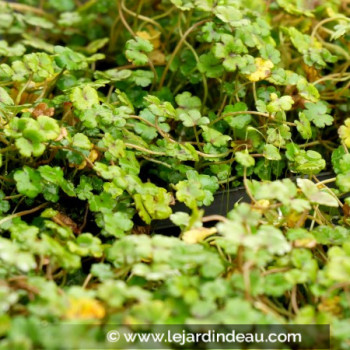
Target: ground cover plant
113 111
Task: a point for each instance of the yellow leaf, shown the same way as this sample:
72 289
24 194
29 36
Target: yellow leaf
93 155
263 69
344 132
198 234
157 57
143 35
261 205
80 166
294 218
331 305
305 243
62 135
85 309
151 35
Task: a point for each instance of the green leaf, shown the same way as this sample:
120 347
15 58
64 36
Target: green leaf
84 98
244 159
37 21
239 121
152 203
215 137
343 182
197 190
82 141
183 5
137 50
49 127
62 5
27 148
271 152
229 14
180 219
116 224
315 195
28 182
191 117
142 77
69 59
12 255
185 100
303 126
268 52
276 284
283 103
317 113
308 162
115 74
86 245
96 45
210 65
5 97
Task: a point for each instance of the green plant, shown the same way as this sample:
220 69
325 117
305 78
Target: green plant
111 112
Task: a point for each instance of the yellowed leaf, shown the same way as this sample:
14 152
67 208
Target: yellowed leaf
263 69
152 35
198 234
84 309
62 135
344 132
157 57
305 243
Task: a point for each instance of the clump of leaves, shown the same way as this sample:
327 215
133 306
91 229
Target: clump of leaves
107 122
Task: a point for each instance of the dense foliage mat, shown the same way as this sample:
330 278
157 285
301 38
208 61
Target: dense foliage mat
113 111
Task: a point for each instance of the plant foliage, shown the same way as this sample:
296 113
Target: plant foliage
113 111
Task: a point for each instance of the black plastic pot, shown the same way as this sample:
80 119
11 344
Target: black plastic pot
223 202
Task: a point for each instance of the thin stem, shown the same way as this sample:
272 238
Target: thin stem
220 155
294 300
126 24
204 79
230 179
139 16
177 48
24 87
245 182
342 77
254 93
328 189
23 213
76 151
150 63
25 8
13 197
8 148
326 20
196 136
237 113
214 218
130 145
335 48
158 162
87 280
325 181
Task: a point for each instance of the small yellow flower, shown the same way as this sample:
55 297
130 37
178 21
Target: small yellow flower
344 132
85 309
197 235
263 69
